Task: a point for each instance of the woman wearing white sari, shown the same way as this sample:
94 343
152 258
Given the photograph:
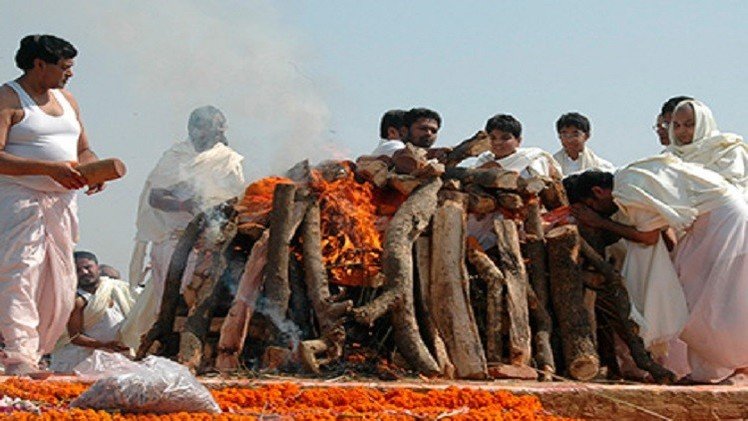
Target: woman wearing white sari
694 137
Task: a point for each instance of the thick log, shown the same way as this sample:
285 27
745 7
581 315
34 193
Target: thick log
515 277
372 170
431 169
409 159
210 266
330 315
454 195
450 293
404 183
494 279
163 327
494 178
397 265
277 289
480 201
474 146
553 195
510 201
435 341
236 324
615 295
567 294
537 273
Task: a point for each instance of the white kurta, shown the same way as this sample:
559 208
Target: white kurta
211 177
103 316
38 231
710 260
587 160
528 162
388 147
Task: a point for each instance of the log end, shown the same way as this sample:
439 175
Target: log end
584 367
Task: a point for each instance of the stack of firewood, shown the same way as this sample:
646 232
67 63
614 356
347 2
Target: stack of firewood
530 319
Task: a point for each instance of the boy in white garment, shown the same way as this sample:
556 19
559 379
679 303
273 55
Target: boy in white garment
42 140
574 131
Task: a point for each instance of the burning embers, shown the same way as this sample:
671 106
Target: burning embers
351 244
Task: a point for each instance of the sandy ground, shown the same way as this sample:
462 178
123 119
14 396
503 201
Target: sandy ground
573 399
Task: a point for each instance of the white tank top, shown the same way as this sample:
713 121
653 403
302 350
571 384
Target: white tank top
42 137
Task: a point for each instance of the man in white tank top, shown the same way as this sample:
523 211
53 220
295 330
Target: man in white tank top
41 142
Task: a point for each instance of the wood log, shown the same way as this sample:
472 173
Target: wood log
404 183
372 170
452 184
511 201
453 195
450 293
431 169
162 329
431 332
515 276
236 324
615 295
211 264
480 201
277 289
330 315
494 279
397 265
539 307
567 294
474 146
494 178
409 159
300 173
553 195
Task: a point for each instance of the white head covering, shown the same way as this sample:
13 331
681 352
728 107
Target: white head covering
704 124
723 153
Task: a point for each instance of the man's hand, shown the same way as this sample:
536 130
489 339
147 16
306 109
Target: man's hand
96 188
586 216
115 346
66 174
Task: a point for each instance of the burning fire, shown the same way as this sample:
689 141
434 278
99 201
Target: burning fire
351 244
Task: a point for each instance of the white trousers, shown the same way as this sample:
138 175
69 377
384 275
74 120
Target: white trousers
38 231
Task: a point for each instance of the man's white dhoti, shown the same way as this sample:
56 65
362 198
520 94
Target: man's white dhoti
38 231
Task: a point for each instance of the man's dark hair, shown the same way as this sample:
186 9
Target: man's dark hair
670 104
392 118
416 114
49 48
575 120
505 123
570 185
85 255
583 184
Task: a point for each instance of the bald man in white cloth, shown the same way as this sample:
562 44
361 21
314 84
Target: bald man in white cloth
710 260
41 142
694 137
192 176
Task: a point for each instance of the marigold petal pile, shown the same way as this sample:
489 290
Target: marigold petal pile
291 401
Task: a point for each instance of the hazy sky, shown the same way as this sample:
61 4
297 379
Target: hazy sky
311 79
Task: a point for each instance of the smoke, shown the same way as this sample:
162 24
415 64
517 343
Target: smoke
291 333
185 54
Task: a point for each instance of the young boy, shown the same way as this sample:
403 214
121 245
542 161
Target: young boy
574 131
505 133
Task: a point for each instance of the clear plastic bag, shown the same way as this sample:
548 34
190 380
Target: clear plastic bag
155 385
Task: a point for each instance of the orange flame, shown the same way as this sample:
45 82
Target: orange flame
351 244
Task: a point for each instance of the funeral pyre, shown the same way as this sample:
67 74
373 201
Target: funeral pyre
367 265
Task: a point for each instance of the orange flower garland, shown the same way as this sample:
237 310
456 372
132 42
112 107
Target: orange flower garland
290 401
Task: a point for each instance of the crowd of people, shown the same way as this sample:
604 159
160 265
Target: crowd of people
681 215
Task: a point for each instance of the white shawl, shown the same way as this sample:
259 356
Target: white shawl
529 162
588 160
723 153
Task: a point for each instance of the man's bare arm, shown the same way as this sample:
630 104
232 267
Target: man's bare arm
589 217
85 153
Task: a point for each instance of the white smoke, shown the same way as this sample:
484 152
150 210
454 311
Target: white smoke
185 54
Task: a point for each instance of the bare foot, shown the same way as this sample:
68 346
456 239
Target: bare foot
738 378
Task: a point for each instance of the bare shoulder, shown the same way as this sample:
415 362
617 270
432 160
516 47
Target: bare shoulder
9 98
69 96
